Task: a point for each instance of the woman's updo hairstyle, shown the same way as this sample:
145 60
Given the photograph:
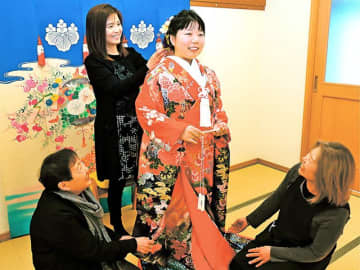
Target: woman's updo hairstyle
182 21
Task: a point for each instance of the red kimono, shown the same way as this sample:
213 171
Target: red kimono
172 173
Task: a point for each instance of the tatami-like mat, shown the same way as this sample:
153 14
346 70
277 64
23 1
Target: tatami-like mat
247 188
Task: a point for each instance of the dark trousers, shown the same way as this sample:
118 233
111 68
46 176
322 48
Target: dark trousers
241 262
115 192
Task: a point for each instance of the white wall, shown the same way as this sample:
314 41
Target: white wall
260 59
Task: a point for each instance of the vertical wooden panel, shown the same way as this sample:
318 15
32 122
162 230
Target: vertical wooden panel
331 111
340 121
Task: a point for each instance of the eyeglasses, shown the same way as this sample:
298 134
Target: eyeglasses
309 157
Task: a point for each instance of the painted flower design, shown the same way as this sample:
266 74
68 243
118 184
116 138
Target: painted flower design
76 107
152 115
86 95
29 84
145 177
52 106
160 208
62 36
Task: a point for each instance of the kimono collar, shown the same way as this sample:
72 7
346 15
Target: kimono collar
193 69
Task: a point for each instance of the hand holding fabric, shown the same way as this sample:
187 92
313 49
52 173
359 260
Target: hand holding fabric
191 134
144 244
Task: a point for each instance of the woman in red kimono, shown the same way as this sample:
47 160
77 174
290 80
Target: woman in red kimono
184 156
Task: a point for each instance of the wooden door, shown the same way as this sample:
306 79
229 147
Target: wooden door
332 105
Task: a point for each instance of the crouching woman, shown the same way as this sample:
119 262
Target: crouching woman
67 231
313 207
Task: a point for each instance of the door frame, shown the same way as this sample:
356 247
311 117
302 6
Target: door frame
310 75
315 68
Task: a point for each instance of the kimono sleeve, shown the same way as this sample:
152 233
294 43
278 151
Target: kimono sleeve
220 117
151 113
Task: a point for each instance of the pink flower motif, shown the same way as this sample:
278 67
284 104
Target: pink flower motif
42 87
29 84
61 100
20 138
37 128
58 147
27 89
15 124
60 138
33 102
84 72
165 82
49 133
25 128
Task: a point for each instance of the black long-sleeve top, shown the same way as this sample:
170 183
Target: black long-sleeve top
61 239
326 227
116 85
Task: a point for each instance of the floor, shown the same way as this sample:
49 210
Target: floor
247 188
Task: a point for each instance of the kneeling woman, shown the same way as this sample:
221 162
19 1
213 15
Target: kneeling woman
313 209
66 229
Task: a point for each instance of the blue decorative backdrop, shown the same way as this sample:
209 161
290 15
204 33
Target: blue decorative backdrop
23 21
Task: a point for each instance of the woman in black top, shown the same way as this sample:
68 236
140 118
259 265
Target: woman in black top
313 209
116 74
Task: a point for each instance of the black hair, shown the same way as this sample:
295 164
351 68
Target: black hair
56 168
181 21
96 29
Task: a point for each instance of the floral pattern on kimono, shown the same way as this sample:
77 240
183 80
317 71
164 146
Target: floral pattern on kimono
168 102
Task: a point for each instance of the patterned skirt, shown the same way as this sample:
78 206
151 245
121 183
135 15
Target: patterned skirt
129 134
236 242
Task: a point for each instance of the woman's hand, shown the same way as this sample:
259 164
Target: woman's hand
144 244
238 226
191 135
261 255
156 58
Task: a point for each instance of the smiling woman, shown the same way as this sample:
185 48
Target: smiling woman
184 160
113 33
313 210
116 74
67 230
